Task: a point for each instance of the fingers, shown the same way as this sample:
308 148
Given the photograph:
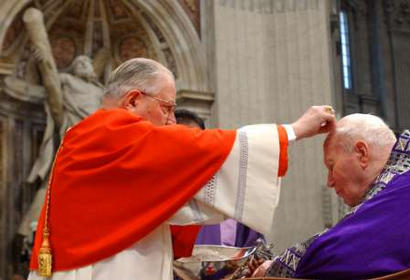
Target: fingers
253 264
317 119
329 119
329 126
329 113
329 109
261 270
326 111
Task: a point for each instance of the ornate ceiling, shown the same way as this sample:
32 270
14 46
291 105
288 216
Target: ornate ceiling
109 31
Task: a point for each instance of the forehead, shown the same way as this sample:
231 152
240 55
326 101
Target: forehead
167 90
332 148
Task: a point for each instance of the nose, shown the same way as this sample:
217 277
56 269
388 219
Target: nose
330 180
171 119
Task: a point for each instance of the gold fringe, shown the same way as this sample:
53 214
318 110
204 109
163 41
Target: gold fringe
45 258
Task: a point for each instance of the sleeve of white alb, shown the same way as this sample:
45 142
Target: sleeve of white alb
246 187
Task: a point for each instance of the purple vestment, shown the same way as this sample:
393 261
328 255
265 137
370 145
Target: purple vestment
372 240
237 236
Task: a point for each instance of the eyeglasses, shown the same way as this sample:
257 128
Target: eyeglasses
168 105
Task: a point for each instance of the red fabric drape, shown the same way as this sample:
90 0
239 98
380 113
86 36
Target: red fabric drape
117 177
183 240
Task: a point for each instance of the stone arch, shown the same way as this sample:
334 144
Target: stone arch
168 17
9 10
183 39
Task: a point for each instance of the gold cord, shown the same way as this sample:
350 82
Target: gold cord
45 257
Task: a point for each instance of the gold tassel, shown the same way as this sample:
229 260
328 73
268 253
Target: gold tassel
45 257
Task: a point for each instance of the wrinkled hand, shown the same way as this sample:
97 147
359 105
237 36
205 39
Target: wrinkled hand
254 263
317 119
261 270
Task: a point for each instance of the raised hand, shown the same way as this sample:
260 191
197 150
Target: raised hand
317 119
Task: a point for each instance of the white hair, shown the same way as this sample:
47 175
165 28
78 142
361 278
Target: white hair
369 128
139 73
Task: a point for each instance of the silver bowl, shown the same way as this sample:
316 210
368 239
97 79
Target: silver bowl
209 262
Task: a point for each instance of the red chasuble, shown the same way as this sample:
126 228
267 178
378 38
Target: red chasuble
117 177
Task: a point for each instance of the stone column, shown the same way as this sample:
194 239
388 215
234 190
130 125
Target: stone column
272 62
196 101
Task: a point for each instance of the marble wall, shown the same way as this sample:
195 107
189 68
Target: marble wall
272 61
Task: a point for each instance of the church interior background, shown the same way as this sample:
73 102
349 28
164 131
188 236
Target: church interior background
236 62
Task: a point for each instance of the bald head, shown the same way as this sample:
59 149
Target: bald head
366 127
355 152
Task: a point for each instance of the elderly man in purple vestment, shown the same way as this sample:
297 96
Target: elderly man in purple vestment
370 170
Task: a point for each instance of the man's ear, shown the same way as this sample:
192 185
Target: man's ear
130 99
361 149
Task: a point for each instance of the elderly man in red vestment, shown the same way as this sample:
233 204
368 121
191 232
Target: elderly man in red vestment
126 173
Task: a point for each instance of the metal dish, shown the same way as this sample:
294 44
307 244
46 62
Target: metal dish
210 262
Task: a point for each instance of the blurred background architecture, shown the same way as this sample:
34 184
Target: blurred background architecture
236 62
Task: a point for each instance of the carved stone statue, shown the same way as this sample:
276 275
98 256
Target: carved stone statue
81 96
67 97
